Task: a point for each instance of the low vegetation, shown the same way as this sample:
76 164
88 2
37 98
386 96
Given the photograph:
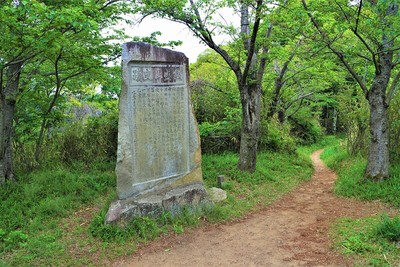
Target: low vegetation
55 216
371 241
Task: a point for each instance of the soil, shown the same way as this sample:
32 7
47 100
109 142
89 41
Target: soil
293 231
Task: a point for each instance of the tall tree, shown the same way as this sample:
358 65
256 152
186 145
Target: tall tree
248 63
372 27
33 31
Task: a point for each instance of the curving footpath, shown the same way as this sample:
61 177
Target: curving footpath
293 231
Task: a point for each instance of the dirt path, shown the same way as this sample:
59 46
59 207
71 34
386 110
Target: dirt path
291 232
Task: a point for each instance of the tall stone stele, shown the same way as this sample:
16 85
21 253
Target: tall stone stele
159 158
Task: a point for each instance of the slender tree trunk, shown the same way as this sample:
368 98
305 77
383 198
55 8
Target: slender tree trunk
59 86
275 99
250 99
2 176
8 99
39 141
334 120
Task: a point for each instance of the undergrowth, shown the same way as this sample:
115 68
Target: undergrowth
351 182
371 241
368 240
55 216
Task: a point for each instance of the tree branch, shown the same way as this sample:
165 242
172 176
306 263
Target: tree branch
263 60
252 42
202 82
301 98
339 54
358 15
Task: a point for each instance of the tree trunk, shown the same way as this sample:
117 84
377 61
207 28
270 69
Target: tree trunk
275 99
334 120
250 99
8 98
2 176
39 141
378 153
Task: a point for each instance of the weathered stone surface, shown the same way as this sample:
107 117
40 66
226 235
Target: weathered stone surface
121 211
217 194
158 138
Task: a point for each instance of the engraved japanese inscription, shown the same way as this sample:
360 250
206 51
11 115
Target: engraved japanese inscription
160 121
159 155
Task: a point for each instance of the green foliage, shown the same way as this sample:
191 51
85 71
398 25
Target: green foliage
139 228
144 228
276 174
394 129
351 182
389 228
306 128
360 238
354 114
325 143
334 154
276 137
14 239
223 135
356 244
152 39
87 135
96 139
43 196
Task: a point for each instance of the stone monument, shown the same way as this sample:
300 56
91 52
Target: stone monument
159 158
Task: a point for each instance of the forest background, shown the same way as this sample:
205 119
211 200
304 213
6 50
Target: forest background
292 73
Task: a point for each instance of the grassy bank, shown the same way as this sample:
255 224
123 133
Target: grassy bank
370 241
55 216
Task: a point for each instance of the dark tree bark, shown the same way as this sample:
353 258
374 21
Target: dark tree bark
378 153
250 100
250 87
8 98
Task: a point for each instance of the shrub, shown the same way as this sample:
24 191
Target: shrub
90 140
305 127
223 135
389 228
276 137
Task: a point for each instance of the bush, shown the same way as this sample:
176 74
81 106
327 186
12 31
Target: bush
88 141
354 114
276 137
305 127
389 228
222 135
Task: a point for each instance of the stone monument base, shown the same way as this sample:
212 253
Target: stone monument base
153 204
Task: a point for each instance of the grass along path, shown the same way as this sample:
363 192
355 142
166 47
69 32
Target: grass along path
293 231
54 217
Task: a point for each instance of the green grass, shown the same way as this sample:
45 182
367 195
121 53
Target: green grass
351 182
32 209
276 174
55 216
327 141
364 240
370 241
